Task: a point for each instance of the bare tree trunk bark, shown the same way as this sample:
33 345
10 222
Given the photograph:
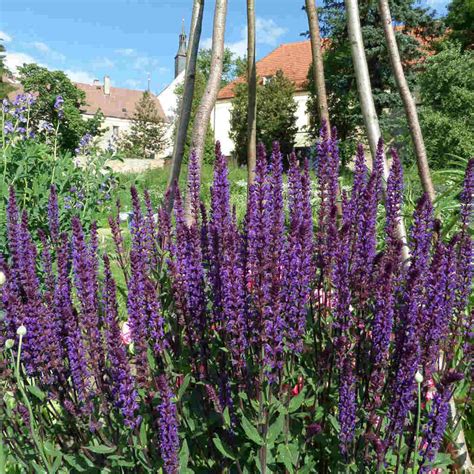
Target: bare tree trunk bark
203 115
408 101
366 98
187 100
252 94
318 65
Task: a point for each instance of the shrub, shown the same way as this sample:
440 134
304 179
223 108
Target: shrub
32 162
275 343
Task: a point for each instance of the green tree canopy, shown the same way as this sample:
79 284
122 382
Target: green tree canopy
48 85
5 87
418 23
276 115
447 110
233 66
460 20
147 135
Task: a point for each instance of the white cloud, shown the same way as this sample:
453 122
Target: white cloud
44 49
125 51
105 63
14 60
239 48
267 33
79 76
5 37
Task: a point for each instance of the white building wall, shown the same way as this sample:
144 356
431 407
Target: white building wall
119 126
221 123
168 98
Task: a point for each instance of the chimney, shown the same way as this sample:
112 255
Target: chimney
96 82
106 85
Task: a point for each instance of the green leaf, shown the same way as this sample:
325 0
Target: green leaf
226 416
288 455
143 435
276 428
38 393
223 449
101 449
251 432
297 401
183 456
334 423
184 386
57 463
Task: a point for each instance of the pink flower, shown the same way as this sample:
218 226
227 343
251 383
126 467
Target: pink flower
430 393
436 470
126 334
323 299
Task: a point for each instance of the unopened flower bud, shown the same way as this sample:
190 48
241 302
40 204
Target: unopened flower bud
21 331
9 343
418 377
3 278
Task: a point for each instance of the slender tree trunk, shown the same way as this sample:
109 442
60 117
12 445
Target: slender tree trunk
408 101
187 100
318 65
366 98
252 94
203 115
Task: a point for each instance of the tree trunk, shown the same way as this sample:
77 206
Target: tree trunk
187 100
366 98
203 115
318 65
252 94
408 101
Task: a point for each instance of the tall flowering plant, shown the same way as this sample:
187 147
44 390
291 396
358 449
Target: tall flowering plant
297 340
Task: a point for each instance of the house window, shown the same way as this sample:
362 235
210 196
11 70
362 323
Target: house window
115 130
266 80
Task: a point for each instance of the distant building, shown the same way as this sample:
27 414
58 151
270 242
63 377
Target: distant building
294 60
117 105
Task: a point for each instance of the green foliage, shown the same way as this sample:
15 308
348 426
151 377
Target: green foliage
340 80
233 66
147 135
447 111
276 115
31 164
47 85
460 20
5 87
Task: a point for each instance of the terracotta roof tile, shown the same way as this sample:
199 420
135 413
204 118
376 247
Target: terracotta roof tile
294 59
119 103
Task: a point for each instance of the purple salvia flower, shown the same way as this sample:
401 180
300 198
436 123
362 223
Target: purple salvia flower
194 185
168 428
394 202
67 315
438 418
123 386
85 278
347 404
408 351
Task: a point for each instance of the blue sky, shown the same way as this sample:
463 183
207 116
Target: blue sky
129 39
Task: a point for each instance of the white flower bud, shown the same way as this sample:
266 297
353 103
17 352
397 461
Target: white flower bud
21 331
3 278
9 343
418 377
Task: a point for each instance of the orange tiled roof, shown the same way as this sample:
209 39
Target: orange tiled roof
293 59
120 103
